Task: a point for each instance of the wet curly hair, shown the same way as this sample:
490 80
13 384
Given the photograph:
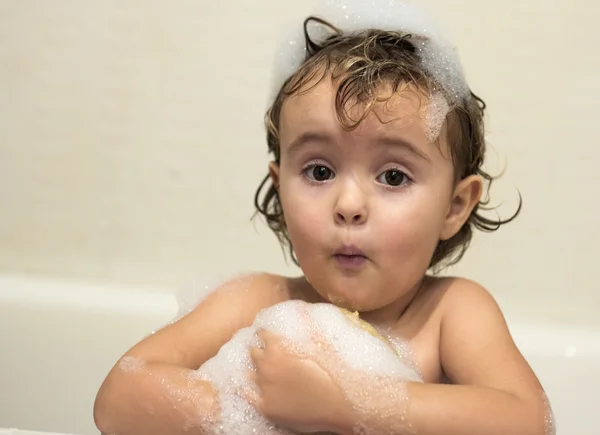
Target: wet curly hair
359 64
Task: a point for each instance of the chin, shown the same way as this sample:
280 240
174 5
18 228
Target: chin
352 301
356 292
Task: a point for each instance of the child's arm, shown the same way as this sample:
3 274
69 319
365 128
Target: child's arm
493 389
159 399
494 392
149 390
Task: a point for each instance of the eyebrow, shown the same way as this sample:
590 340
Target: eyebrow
402 143
313 136
306 137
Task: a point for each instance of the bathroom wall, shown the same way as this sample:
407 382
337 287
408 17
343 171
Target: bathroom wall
131 141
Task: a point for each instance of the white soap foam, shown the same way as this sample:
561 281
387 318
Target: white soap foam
131 364
305 328
549 417
438 55
435 115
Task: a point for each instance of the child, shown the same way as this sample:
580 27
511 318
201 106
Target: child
377 178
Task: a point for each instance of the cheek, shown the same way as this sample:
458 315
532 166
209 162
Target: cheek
412 229
304 218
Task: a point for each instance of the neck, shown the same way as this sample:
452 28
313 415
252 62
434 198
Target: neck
384 317
388 316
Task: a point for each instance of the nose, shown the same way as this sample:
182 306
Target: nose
351 205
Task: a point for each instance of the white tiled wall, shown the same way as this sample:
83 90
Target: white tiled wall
131 140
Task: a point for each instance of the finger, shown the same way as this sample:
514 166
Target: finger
322 342
250 393
256 355
252 376
316 334
267 337
252 397
321 345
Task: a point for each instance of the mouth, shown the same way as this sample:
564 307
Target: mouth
350 256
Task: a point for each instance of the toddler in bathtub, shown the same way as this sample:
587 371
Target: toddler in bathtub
376 178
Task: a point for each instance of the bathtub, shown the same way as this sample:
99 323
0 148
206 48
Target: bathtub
58 340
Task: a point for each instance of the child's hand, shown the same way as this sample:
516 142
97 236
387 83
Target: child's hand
294 391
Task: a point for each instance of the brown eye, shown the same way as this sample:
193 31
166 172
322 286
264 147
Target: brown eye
393 177
319 173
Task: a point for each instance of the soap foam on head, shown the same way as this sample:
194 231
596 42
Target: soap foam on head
437 53
351 16
368 369
437 109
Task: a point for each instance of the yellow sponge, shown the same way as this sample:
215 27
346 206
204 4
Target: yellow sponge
354 317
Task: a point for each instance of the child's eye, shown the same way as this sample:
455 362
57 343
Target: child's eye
393 177
318 173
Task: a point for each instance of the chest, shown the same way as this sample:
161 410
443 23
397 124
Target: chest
422 346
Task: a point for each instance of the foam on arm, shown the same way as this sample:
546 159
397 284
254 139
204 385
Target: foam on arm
153 390
365 364
493 389
154 398
439 409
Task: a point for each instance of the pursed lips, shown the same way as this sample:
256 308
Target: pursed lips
350 256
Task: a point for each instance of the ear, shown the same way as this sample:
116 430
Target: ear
467 194
274 173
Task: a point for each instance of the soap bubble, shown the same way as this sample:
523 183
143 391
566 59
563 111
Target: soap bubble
363 360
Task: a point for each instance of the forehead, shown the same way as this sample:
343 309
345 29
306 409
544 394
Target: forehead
404 110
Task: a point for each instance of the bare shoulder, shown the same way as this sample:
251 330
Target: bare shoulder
476 346
246 294
463 294
468 310
444 296
198 336
467 307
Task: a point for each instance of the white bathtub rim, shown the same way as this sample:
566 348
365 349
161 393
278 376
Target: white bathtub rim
51 293
545 338
15 431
